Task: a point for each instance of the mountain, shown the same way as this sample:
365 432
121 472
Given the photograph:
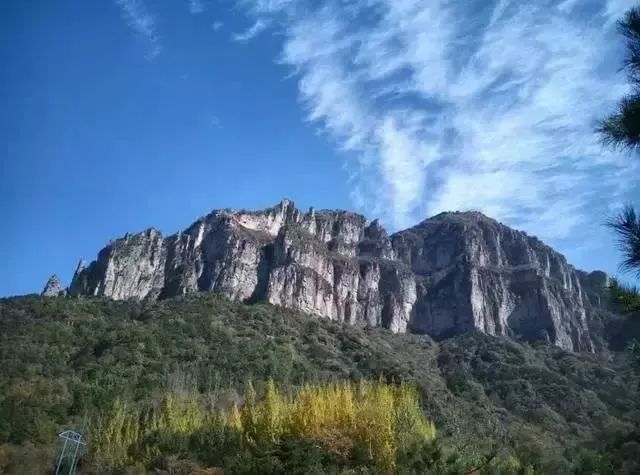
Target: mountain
450 274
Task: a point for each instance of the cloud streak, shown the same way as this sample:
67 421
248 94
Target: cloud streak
141 21
446 105
254 30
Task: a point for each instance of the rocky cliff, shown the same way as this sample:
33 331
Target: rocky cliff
453 273
53 287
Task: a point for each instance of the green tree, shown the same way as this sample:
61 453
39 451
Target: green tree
621 129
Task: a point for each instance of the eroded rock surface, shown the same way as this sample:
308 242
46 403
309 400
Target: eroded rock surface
53 287
485 276
453 273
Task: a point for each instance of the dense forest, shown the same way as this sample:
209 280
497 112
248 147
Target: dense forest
199 383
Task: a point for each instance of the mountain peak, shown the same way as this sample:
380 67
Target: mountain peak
53 287
470 216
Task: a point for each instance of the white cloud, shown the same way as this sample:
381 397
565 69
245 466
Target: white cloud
196 7
463 105
615 9
254 30
139 19
567 6
217 25
267 6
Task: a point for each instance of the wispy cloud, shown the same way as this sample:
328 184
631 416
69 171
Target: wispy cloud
254 30
139 19
568 5
446 105
196 7
217 25
615 8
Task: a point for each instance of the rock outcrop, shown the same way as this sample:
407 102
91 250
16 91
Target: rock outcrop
453 273
53 287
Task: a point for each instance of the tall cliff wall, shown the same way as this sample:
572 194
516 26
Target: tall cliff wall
453 273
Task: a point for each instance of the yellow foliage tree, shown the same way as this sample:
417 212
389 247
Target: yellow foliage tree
380 418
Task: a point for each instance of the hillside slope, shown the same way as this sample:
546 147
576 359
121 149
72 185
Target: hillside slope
63 358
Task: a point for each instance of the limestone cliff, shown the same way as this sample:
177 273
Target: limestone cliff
53 287
480 274
453 273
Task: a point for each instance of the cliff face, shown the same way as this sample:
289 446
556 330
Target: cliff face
53 287
480 274
453 273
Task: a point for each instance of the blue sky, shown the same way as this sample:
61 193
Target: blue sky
124 114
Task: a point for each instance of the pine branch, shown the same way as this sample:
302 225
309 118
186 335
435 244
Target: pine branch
629 25
622 128
626 225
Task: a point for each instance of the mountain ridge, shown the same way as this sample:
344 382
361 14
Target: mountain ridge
449 274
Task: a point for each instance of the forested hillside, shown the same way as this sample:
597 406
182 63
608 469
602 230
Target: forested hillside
495 403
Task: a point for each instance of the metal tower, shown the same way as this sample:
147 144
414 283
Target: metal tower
71 449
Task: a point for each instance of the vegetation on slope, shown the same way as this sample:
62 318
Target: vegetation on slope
497 404
372 425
